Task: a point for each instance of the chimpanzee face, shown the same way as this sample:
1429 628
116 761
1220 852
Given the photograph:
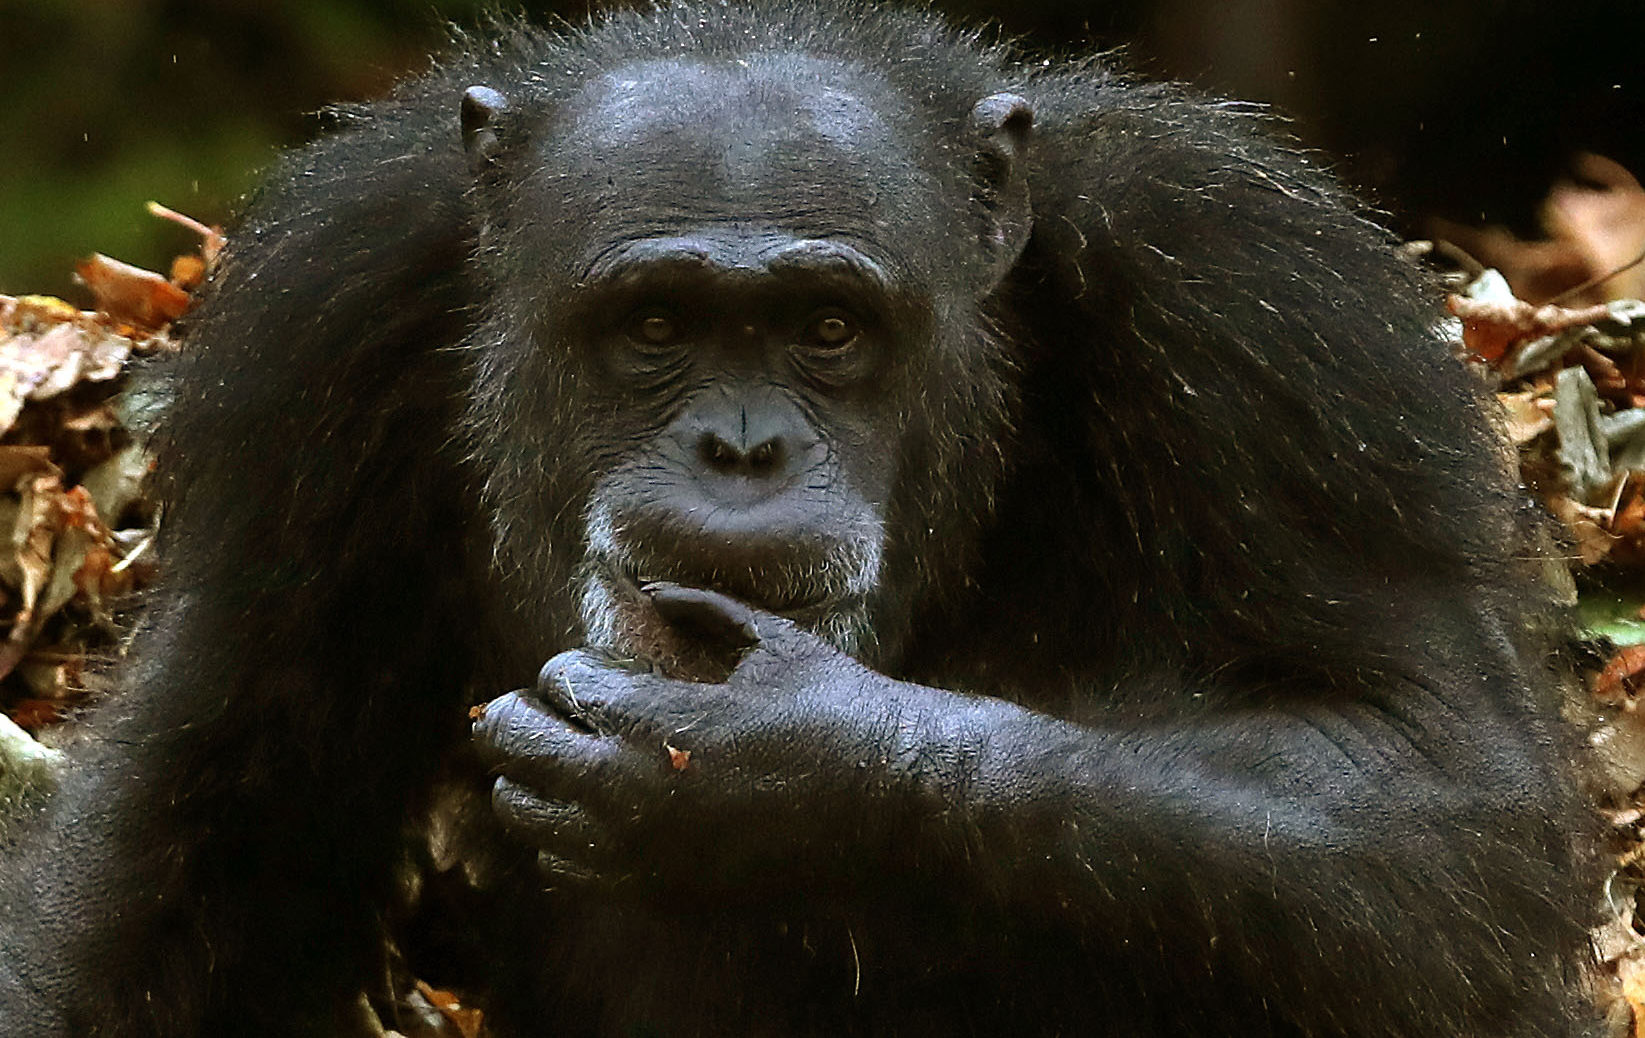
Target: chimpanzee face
738 312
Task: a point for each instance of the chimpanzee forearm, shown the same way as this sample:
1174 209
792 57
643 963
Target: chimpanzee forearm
1257 824
1257 835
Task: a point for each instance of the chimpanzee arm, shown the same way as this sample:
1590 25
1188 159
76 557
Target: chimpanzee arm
226 836
1187 869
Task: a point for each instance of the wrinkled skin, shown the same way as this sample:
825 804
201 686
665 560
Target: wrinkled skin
1011 553
586 772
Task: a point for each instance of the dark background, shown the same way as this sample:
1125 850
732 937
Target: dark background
1466 109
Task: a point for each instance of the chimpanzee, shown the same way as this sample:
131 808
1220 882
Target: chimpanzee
1012 553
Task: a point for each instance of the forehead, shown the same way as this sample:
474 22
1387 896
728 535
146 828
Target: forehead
790 142
777 102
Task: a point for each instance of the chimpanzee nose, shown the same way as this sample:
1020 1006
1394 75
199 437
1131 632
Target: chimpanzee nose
751 432
732 458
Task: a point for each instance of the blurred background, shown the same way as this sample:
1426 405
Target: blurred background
1466 110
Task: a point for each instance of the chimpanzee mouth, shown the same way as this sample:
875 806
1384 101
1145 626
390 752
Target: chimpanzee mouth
620 617
825 584
630 582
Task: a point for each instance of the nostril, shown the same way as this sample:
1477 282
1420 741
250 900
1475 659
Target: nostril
723 456
716 452
765 456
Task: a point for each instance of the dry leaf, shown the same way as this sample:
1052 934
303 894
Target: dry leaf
1614 685
469 1022
1601 214
132 295
677 758
1491 327
1595 224
19 460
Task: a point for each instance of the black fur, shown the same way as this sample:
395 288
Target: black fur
1188 493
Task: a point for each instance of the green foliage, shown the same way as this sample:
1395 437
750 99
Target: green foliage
109 105
1605 612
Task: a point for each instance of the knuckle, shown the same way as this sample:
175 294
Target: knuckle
571 664
508 798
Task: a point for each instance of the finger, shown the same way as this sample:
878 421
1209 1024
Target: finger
564 872
571 846
518 736
567 685
556 826
707 613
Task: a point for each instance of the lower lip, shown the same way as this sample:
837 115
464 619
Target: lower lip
633 588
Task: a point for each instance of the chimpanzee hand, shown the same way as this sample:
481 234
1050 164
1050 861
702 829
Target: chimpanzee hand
802 763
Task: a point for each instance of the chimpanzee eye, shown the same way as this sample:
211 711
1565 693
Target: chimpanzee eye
654 329
833 330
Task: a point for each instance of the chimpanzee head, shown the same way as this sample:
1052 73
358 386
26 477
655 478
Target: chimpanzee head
740 316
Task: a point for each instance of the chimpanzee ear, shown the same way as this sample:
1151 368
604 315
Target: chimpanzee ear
1000 127
485 123
1003 123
